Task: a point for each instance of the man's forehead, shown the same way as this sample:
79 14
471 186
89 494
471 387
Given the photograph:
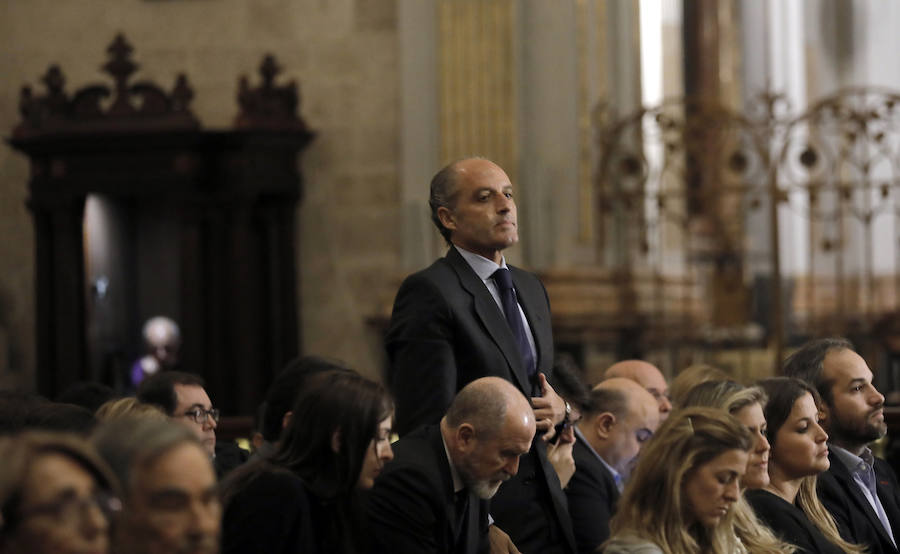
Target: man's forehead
184 467
644 410
652 380
477 173
188 395
845 365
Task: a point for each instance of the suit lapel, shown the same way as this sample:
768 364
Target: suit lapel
842 474
887 492
491 317
437 444
595 467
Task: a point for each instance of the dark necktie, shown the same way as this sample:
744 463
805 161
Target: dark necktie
503 279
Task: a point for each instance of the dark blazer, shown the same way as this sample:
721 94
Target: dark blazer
854 516
789 523
272 514
412 507
592 495
446 330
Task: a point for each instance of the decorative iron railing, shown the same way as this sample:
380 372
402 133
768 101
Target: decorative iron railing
762 226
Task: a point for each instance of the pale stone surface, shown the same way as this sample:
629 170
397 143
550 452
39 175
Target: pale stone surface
343 55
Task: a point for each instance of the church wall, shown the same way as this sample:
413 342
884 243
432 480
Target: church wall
343 54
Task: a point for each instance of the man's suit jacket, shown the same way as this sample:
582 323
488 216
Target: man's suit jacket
592 495
447 330
412 507
854 516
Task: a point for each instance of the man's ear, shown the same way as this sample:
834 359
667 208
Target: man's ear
604 424
286 419
465 437
824 416
446 218
336 441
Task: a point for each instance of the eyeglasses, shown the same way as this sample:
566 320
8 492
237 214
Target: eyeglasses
199 415
70 510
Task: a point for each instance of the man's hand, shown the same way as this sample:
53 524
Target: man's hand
549 409
560 455
500 542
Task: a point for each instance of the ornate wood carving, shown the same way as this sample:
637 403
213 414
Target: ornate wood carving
227 200
142 105
268 106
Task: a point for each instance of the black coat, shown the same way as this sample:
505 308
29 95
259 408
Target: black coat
592 495
412 507
789 523
273 514
446 330
855 518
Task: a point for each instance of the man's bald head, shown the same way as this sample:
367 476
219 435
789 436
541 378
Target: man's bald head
489 425
622 416
620 396
646 375
487 404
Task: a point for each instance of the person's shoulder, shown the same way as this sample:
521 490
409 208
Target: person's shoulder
435 275
273 482
764 501
417 451
631 546
523 274
588 466
884 470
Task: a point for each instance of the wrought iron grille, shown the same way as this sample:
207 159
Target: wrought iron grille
754 228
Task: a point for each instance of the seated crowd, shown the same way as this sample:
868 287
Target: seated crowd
781 465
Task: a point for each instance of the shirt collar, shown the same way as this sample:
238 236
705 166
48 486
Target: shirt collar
616 477
853 462
482 266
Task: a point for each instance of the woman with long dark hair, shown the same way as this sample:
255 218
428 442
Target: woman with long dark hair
789 503
304 498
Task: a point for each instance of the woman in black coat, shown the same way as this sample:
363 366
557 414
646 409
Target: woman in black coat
305 497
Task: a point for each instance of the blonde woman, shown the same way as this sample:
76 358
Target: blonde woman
128 407
682 495
689 378
789 504
746 404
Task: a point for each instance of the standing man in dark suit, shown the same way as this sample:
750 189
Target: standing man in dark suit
620 418
433 497
859 490
469 315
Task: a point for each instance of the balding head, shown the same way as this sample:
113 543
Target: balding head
486 404
622 416
646 375
487 427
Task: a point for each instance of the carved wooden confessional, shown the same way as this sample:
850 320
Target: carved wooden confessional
201 228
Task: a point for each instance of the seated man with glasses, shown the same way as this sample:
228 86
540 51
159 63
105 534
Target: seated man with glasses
183 398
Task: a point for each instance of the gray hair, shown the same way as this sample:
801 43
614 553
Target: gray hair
129 443
609 400
443 185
